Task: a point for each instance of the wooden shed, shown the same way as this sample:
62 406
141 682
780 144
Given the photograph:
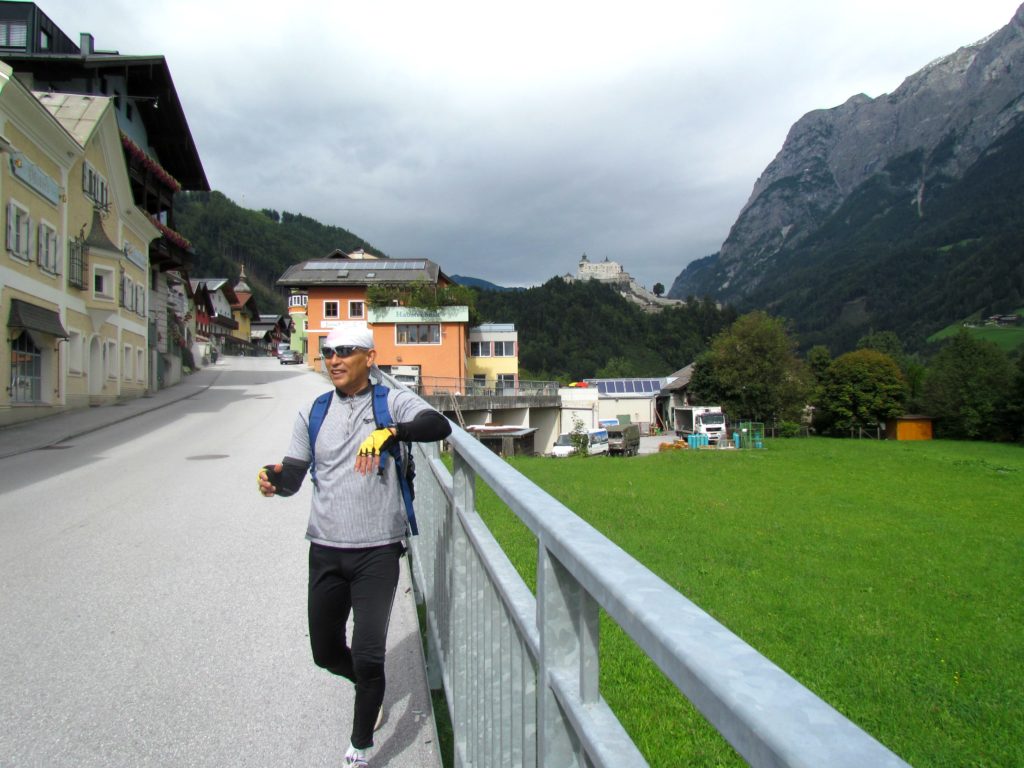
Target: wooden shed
909 427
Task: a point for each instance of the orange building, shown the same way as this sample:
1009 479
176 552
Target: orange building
418 346
909 427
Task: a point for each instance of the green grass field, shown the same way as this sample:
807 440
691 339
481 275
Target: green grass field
1007 339
886 577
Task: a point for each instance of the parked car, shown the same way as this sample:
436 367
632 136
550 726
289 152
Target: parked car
288 356
597 442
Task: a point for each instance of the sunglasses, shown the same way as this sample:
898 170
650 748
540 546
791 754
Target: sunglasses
345 350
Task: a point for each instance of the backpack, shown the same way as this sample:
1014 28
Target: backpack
400 452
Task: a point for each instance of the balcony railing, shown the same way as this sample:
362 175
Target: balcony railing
436 385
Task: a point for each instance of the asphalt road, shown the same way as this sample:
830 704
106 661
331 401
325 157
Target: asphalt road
152 604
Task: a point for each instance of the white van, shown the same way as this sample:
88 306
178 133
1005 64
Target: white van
597 442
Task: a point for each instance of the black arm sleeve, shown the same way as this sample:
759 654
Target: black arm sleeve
427 426
289 479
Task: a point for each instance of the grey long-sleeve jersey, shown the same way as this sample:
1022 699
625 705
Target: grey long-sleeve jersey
351 510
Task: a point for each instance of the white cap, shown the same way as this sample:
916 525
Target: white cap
350 335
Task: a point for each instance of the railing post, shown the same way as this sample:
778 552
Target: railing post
431 529
464 485
568 621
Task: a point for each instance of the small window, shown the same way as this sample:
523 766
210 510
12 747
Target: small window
356 310
94 185
331 310
480 348
425 333
13 34
504 349
111 359
103 283
127 292
77 274
44 40
19 231
47 254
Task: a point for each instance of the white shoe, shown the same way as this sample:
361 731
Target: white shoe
356 758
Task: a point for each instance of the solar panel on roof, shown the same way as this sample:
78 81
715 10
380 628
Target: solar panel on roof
375 265
369 264
612 387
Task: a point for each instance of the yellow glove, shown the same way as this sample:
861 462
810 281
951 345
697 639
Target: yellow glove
378 442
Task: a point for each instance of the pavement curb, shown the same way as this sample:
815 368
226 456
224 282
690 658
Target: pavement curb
47 431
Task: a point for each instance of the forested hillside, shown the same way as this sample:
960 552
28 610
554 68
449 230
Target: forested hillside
226 236
566 331
569 331
879 262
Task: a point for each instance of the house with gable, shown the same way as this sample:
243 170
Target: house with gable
417 345
155 140
213 302
75 270
245 312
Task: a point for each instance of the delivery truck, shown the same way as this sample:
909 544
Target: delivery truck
701 420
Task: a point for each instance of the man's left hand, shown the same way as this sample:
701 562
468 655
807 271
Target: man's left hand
372 448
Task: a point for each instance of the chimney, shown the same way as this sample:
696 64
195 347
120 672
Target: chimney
87 44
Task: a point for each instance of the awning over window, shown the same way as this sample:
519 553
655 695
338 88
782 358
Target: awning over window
33 318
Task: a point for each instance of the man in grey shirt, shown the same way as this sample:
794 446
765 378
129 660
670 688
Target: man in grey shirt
357 523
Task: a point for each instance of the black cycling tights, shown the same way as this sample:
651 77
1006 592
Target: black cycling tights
363 582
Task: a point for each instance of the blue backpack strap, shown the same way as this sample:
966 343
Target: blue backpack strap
382 417
316 419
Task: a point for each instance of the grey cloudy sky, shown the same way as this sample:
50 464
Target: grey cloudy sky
502 140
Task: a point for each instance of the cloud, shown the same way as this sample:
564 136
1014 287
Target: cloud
504 140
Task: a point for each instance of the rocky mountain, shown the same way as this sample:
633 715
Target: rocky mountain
897 188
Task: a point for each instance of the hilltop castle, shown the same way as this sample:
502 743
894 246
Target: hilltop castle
612 273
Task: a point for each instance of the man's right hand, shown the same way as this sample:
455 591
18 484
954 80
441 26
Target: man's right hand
264 477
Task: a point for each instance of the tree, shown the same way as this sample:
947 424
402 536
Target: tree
883 341
704 388
819 359
658 289
756 371
1015 412
913 370
862 388
579 437
967 387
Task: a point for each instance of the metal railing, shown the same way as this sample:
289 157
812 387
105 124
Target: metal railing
520 672
438 385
